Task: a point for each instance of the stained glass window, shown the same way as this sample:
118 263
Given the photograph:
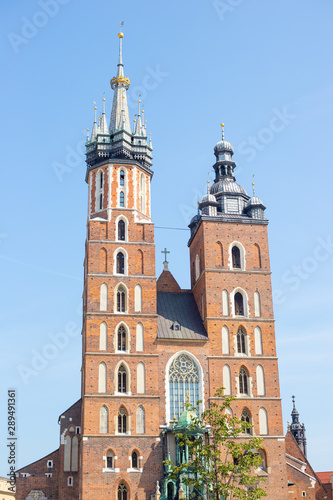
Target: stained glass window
183 380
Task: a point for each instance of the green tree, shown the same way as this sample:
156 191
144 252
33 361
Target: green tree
218 454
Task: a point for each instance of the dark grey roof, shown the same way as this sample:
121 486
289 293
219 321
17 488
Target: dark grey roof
181 308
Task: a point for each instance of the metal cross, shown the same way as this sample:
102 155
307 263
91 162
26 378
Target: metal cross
165 251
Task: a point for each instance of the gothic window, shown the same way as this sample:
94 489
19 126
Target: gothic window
75 454
101 180
243 382
109 460
103 420
263 457
122 199
219 254
225 340
257 255
138 298
183 380
102 378
120 263
140 262
122 178
122 379
121 299
139 337
257 308
260 381
103 297
100 201
140 420
197 266
103 337
263 424
122 339
122 492
236 257
257 340
225 303
122 421
134 460
121 230
241 341
246 417
142 193
226 380
140 372
239 304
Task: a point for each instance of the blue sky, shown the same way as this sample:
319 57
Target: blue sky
262 68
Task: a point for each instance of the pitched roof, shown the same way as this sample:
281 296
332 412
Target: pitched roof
167 283
182 309
325 477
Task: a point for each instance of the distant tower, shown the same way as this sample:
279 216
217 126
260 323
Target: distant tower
297 429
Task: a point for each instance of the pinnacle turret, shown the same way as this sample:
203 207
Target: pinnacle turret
297 429
118 140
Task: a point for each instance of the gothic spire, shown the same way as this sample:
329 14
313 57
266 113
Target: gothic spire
120 84
297 429
103 125
94 129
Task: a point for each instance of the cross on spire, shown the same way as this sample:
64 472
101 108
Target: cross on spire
165 251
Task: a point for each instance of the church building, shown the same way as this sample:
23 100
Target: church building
147 343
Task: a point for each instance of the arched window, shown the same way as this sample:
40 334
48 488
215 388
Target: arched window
138 298
102 378
225 303
263 424
122 421
257 308
75 454
246 417
103 261
263 457
143 193
140 262
103 337
139 337
122 339
241 342
257 340
103 305
101 201
260 381
100 180
120 263
236 257
122 178
226 380
218 254
239 304
135 462
183 379
122 492
197 266
122 199
67 453
257 255
121 299
225 340
140 420
103 420
121 230
109 459
122 379
140 378
243 382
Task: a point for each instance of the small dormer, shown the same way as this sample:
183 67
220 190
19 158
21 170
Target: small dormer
176 326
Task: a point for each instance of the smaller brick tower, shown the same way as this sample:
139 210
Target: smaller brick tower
231 284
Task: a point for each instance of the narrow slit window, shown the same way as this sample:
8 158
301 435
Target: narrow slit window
236 258
122 178
121 230
122 199
100 201
120 263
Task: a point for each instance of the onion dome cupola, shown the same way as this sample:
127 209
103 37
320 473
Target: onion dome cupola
208 205
231 197
118 140
255 207
297 429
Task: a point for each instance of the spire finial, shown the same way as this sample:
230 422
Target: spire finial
208 186
222 126
293 400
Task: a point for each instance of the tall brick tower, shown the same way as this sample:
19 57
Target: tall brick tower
119 382
231 283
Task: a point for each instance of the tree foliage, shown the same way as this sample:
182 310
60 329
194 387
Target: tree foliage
219 455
